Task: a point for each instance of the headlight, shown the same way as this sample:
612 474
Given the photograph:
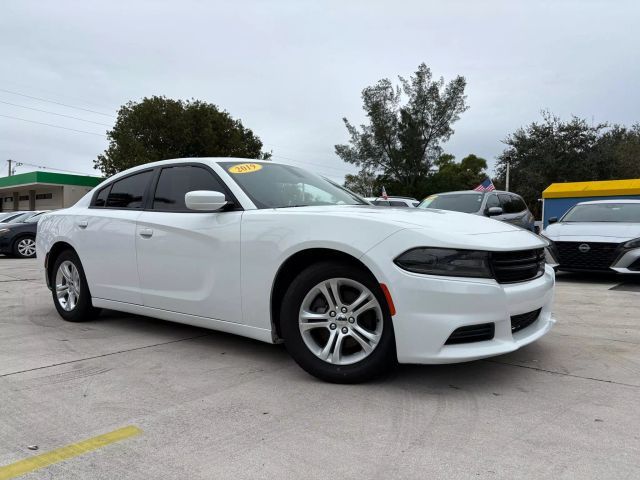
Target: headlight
635 243
446 261
548 240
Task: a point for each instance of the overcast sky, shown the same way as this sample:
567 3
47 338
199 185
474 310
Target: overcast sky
292 69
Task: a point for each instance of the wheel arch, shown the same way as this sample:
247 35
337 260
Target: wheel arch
292 266
56 249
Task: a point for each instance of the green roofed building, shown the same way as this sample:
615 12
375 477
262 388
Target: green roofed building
43 190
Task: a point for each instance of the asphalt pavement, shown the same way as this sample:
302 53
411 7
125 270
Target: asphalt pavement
200 404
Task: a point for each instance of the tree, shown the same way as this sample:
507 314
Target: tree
446 175
362 183
159 128
401 140
567 151
451 176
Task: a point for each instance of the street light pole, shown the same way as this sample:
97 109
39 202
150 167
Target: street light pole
9 161
508 159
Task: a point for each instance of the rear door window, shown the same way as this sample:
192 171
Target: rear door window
518 203
507 204
129 192
175 182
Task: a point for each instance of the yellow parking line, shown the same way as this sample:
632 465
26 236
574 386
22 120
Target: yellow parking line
73 450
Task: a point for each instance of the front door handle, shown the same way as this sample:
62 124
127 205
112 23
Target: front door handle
146 232
83 224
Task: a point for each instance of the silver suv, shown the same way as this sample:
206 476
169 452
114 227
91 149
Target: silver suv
505 206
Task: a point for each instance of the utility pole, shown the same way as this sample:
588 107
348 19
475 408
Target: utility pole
508 165
9 161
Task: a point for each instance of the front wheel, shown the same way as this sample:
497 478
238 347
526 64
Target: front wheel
336 324
70 289
25 247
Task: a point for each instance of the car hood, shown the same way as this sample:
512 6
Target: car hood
433 219
593 231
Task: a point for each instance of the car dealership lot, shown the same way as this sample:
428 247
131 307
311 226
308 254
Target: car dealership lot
212 405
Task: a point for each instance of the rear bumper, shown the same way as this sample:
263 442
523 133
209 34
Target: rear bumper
430 308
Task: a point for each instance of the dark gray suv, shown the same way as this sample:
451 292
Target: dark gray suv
505 206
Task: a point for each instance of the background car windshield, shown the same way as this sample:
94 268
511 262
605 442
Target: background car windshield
604 212
458 202
271 185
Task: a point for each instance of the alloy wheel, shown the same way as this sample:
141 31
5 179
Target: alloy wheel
67 285
27 247
340 321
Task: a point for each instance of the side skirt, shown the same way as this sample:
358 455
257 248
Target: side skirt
261 334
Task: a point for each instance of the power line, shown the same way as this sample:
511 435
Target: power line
18 164
57 103
54 126
54 113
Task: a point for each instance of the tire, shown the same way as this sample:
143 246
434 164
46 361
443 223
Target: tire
362 337
68 279
25 247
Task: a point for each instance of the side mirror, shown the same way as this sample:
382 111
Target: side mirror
493 211
204 200
553 220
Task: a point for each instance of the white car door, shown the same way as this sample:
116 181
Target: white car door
189 261
105 238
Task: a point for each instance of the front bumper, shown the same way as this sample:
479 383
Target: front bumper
430 308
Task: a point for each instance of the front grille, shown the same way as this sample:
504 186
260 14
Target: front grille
518 266
598 255
518 322
472 333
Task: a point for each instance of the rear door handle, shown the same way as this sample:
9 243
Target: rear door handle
146 232
83 224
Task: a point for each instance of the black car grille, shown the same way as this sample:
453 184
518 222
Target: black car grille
598 255
509 267
518 322
472 333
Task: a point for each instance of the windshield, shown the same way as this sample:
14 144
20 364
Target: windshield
271 185
604 212
21 218
458 202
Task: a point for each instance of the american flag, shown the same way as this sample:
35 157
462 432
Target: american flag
384 193
486 186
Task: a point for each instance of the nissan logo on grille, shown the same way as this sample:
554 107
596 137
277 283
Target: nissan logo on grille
584 247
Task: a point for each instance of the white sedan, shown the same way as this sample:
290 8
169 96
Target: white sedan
599 236
276 253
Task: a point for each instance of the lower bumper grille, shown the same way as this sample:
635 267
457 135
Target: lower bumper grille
518 322
472 333
586 255
635 266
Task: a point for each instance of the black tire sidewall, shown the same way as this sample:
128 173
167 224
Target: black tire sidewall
377 363
15 251
84 310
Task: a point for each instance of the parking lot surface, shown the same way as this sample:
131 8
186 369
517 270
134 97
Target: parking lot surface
211 405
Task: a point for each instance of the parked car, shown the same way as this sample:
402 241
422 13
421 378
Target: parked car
18 239
393 201
278 254
505 206
602 236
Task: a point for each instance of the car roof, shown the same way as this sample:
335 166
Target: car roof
469 192
601 202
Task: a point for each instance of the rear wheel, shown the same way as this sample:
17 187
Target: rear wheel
336 324
70 290
25 247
